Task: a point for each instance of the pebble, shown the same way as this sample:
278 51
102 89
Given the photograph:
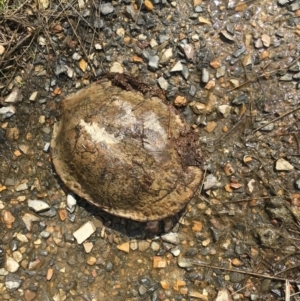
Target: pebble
125 247
7 112
175 251
171 238
166 55
38 205
84 232
210 181
12 282
223 295
225 110
143 245
162 83
11 265
29 219
153 62
21 237
221 71
14 96
133 245
71 202
155 246
159 262
205 75
297 184
7 218
180 101
283 165
116 68
177 67
106 8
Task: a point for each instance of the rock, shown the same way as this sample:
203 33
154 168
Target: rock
7 111
14 96
21 187
166 55
221 71
38 205
28 220
223 295
159 262
7 218
162 83
210 181
143 245
283 165
12 282
155 246
171 238
177 67
266 40
116 68
268 237
84 232
224 110
175 251
180 101
297 184
106 8
125 247
11 265
205 75
153 62
71 203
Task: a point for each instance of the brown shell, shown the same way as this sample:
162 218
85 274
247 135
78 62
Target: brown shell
119 151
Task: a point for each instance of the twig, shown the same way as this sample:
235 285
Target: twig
242 272
275 119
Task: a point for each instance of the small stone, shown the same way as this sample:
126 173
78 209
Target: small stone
12 282
175 251
106 8
116 68
7 218
177 67
62 213
162 83
143 245
283 165
71 203
76 56
198 107
49 274
223 295
210 126
224 110
21 237
29 219
88 246
164 285
166 55
133 245
37 263
188 50
171 238
148 5
205 75
221 71
204 21
46 147
84 232
21 187
210 181
14 96
124 247
153 62
11 265
155 246
29 295
197 226
159 262
180 101
198 296
91 260
38 205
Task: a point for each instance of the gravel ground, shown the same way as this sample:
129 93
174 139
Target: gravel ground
232 69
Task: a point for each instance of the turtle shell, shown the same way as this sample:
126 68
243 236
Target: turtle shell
124 153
